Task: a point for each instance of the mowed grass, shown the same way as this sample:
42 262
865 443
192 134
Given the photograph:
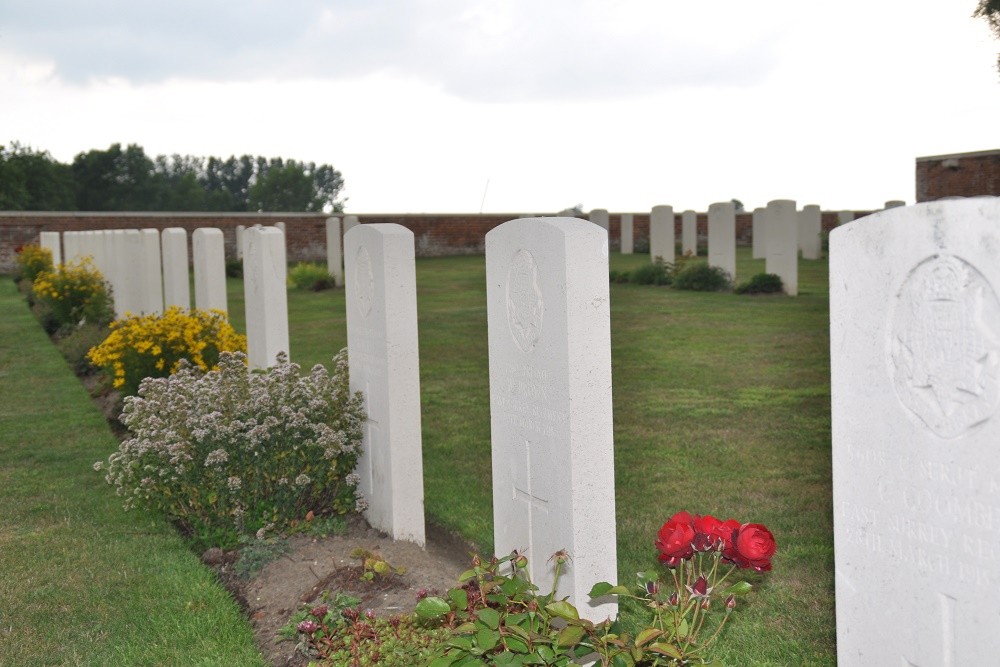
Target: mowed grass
81 581
721 406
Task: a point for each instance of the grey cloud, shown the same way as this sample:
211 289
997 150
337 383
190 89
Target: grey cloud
491 51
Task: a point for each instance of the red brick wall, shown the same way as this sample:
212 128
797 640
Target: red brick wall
958 175
434 234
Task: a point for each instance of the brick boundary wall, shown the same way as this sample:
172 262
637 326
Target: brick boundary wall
958 175
434 234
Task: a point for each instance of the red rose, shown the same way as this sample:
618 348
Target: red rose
675 539
710 533
754 547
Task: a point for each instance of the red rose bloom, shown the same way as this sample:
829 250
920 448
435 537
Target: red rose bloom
754 547
675 539
711 534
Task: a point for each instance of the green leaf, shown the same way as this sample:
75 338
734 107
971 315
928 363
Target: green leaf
570 635
619 660
668 650
489 617
442 661
683 629
563 609
739 588
516 644
465 576
459 597
487 639
604 588
432 607
648 635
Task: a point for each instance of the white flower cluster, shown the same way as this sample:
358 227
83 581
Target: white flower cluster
214 448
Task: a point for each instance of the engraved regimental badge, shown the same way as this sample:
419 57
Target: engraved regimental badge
525 306
944 346
364 281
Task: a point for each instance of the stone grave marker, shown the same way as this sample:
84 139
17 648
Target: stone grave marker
550 402
782 243
176 285
334 251
350 222
149 273
127 262
915 389
71 241
689 232
627 234
381 296
600 217
758 232
51 241
722 237
844 217
661 234
240 240
810 228
266 296
209 254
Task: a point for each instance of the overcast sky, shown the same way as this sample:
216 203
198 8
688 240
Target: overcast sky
428 105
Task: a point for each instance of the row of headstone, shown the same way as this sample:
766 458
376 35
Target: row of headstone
550 393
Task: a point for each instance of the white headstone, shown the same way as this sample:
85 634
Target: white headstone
600 217
176 282
149 273
844 217
759 233
51 241
627 234
661 234
689 232
240 241
550 402
810 228
266 296
722 237
72 242
915 381
381 295
334 251
127 260
209 254
350 222
280 226
782 259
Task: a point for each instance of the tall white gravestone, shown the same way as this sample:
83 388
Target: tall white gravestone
240 240
550 402
266 296
758 231
350 222
209 254
599 216
176 283
150 273
810 232
381 297
50 240
626 228
915 380
722 237
661 234
782 243
71 241
334 251
689 232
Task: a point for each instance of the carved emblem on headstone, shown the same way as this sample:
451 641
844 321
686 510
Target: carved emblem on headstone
364 281
525 307
944 346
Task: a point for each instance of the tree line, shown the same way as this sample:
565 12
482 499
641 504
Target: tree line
126 179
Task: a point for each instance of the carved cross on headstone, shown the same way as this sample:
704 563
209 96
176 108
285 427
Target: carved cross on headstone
947 634
523 490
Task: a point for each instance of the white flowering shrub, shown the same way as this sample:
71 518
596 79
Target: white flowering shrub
231 452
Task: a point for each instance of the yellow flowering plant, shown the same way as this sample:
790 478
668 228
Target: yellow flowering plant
74 293
141 346
32 259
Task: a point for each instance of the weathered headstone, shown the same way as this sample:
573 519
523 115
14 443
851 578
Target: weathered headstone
381 295
758 231
600 217
689 232
627 233
350 222
782 243
127 261
661 234
334 251
844 217
266 296
149 273
810 226
176 282
240 240
51 241
550 402
722 237
915 379
209 255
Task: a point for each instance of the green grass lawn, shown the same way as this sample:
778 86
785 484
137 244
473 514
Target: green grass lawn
722 406
81 581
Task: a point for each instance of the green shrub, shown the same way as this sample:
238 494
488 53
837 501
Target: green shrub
31 260
761 283
616 276
75 346
703 278
234 268
655 273
74 293
306 275
229 453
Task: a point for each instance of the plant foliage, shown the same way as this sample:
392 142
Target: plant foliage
761 283
74 293
702 277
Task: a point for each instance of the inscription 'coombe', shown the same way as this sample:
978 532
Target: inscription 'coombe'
525 306
944 356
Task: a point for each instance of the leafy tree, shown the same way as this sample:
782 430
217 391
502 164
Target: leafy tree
33 181
990 11
114 180
294 186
